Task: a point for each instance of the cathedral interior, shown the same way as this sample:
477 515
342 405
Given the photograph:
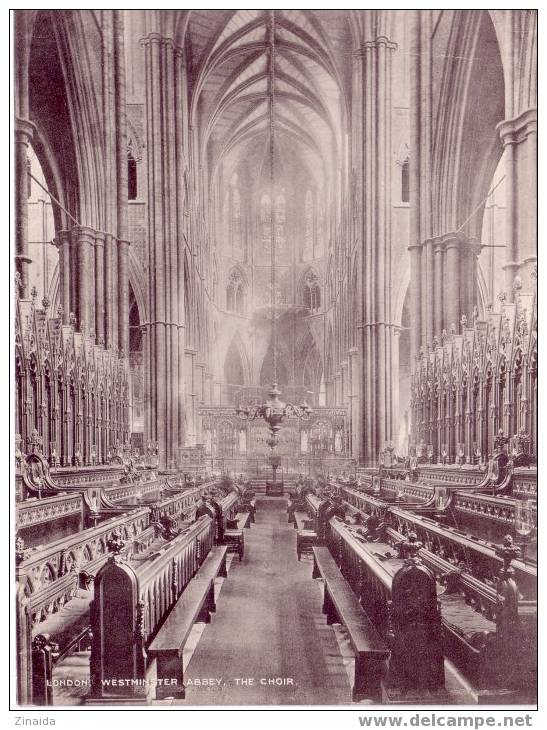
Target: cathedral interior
275 356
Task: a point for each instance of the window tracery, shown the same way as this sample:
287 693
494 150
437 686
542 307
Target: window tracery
311 292
235 293
279 222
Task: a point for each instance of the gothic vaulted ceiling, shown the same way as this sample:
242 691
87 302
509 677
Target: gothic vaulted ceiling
231 54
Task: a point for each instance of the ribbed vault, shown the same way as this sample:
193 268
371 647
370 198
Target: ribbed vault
231 87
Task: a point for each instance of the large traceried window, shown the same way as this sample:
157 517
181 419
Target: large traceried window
279 222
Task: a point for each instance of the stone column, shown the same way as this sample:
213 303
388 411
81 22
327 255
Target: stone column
338 389
181 117
345 384
353 355
191 395
209 392
200 375
99 288
415 102
74 265
62 241
121 183
24 131
329 392
452 280
111 332
86 279
438 294
519 138
377 416
164 79
123 297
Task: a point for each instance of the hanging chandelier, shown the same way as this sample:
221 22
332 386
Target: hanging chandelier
274 410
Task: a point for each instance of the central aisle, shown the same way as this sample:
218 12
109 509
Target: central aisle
268 625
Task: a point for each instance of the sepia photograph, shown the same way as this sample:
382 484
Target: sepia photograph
274 413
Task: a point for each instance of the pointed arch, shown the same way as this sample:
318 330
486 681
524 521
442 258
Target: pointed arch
310 290
267 373
234 368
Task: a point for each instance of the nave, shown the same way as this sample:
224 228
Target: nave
269 255
269 625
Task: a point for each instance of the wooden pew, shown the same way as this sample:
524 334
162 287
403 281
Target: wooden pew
400 598
313 506
241 521
302 521
194 605
132 598
454 545
340 604
249 505
235 541
306 537
233 532
230 525
291 509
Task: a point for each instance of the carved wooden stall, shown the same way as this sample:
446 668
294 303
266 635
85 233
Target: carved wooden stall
52 572
71 394
399 598
471 385
463 551
229 521
475 614
443 523
320 509
132 598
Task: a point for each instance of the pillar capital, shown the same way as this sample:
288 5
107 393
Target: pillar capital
455 239
62 238
84 234
516 130
100 238
24 129
157 39
380 42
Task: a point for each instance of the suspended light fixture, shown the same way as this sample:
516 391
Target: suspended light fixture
274 410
